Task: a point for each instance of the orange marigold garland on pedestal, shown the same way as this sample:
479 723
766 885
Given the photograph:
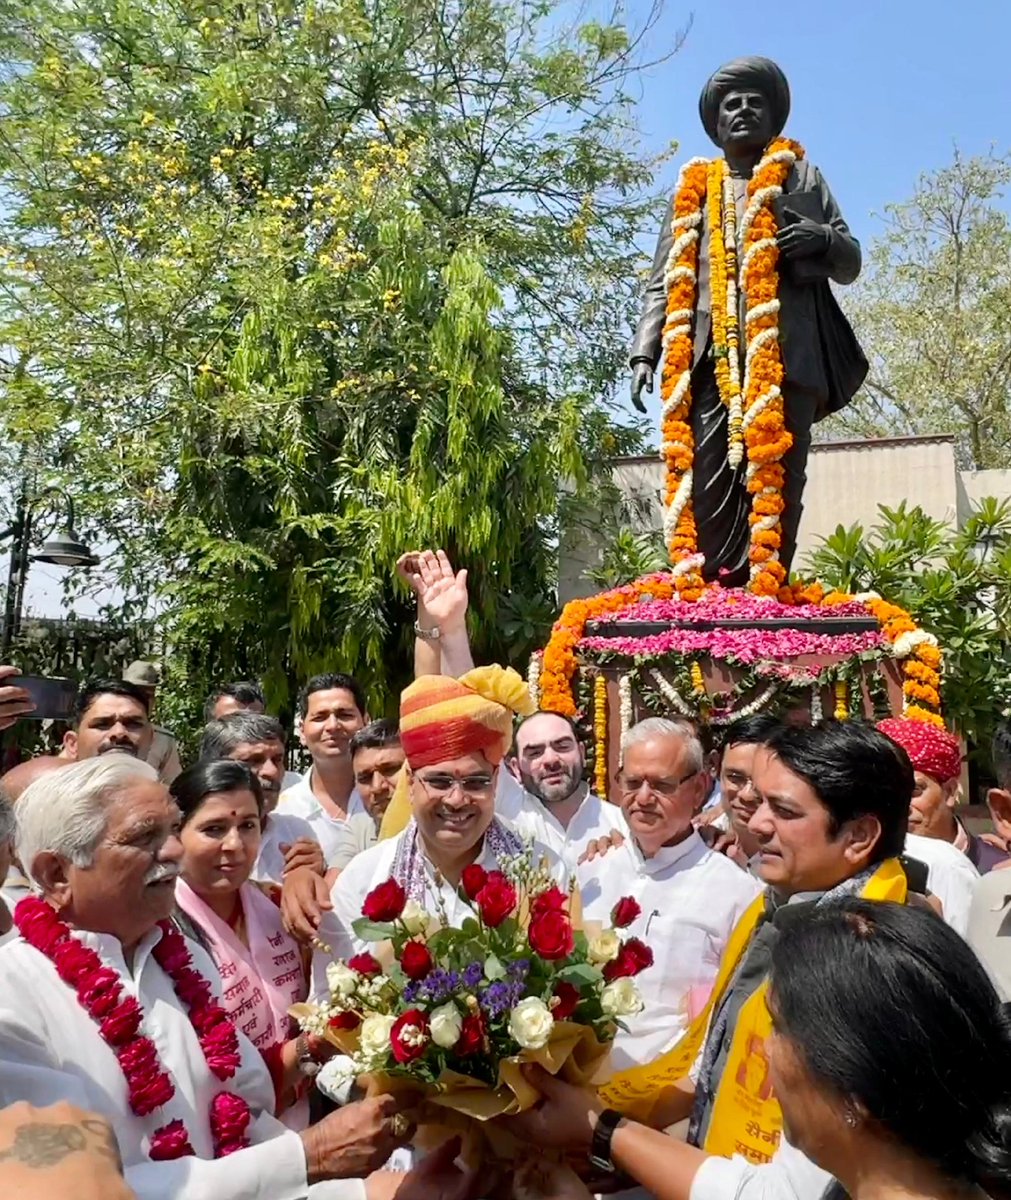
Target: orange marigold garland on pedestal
677 445
765 433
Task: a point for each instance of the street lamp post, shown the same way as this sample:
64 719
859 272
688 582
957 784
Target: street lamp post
64 549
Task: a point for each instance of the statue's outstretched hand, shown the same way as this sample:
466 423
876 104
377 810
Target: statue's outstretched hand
803 239
642 377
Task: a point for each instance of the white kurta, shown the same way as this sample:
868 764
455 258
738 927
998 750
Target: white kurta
595 818
691 898
281 830
950 877
374 866
50 1049
299 801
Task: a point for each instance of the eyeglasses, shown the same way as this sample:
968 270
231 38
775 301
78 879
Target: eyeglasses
473 786
628 785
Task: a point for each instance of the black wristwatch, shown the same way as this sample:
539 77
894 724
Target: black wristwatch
600 1144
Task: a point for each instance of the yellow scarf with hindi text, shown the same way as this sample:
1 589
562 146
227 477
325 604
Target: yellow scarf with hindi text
746 1118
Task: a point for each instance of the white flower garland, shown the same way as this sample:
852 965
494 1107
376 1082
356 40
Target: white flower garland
906 643
534 677
671 694
625 703
817 711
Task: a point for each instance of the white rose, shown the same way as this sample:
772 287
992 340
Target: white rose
375 1036
530 1023
414 918
336 1078
445 1024
341 980
604 947
621 999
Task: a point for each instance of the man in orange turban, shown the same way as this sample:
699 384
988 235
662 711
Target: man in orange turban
441 822
936 756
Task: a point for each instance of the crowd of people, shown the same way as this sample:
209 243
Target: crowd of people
823 1014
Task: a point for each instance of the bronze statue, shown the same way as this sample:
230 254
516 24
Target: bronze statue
744 108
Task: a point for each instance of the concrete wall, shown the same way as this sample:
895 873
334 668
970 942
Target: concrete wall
847 481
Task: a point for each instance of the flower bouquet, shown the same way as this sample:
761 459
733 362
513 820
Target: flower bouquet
459 1010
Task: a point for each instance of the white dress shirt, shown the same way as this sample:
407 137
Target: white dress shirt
279 830
595 818
50 1049
790 1176
950 877
690 899
373 867
300 801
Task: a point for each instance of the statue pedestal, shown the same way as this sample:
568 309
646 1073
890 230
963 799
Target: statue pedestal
717 670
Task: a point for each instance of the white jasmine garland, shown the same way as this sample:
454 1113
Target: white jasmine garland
375 1036
530 1023
621 998
625 702
534 678
604 948
446 1025
341 980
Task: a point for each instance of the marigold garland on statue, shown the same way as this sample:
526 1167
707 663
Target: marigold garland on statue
765 433
677 444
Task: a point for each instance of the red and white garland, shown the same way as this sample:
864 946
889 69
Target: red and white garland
118 1017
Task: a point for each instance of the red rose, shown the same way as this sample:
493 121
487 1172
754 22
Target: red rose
365 965
416 959
633 957
473 879
345 1020
568 997
409 1036
496 900
553 900
385 903
550 936
471 1038
624 912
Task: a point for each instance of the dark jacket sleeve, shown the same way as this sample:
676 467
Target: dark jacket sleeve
649 333
841 262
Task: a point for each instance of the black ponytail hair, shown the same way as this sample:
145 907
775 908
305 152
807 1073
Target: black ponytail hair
890 1008
210 777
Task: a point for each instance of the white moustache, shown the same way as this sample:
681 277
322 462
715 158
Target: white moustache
159 874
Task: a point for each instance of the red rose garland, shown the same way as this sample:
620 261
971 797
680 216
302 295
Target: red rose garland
118 1017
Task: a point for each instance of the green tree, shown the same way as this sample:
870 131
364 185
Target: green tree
956 586
933 310
291 288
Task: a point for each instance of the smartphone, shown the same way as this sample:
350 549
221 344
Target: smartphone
53 698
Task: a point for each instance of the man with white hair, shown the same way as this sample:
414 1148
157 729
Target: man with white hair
103 1004
687 898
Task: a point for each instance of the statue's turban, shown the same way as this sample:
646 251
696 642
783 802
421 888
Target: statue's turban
761 75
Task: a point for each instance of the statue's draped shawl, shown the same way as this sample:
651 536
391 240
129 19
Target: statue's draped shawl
760 74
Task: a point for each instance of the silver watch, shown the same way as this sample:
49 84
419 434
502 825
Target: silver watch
427 635
306 1063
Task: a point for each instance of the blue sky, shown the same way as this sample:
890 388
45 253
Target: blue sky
882 90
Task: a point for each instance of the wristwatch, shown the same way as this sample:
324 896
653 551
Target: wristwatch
600 1144
427 635
306 1063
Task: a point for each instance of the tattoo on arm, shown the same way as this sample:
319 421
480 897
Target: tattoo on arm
44 1146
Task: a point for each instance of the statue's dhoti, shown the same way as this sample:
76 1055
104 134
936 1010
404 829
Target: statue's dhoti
719 496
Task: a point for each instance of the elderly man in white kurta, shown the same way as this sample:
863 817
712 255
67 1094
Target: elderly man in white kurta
102 1004
689 898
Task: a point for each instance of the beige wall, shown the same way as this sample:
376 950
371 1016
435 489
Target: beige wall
847 481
